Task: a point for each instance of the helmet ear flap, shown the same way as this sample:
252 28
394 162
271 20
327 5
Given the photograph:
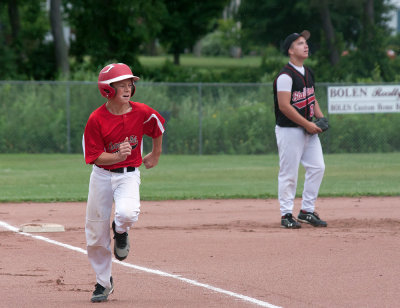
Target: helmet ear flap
106 90
133 90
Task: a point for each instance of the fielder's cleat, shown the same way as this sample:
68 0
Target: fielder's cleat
121 244
101 293
289 222
311 218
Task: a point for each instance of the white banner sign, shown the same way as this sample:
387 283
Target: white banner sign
364 99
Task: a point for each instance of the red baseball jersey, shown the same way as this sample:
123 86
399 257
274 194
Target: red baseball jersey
104 132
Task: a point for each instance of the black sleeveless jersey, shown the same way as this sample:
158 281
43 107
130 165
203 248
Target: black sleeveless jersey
302 95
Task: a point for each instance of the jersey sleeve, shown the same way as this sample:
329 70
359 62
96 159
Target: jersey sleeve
93 142
284 83
153 125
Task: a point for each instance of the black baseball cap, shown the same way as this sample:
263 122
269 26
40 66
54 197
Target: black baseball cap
291 38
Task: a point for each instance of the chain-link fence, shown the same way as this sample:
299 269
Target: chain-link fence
202 118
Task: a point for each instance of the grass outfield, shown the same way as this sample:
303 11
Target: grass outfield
62 177
193 61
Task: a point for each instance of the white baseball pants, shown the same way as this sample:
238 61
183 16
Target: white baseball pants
104 188
296 146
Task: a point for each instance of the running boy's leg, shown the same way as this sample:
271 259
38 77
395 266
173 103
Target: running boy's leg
127 200
98 213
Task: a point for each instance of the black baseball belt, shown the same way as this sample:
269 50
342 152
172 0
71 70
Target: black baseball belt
121 170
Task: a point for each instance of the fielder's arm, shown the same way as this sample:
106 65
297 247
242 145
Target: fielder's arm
288 110
151 159
317 111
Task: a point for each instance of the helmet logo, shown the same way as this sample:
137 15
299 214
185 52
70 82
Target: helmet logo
109 69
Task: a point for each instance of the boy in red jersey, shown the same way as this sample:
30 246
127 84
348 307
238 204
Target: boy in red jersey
112 142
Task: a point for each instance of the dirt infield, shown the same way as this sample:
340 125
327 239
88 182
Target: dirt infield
210 253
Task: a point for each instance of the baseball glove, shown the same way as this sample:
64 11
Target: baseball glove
322 123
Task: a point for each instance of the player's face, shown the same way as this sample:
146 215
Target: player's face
299 48
123 90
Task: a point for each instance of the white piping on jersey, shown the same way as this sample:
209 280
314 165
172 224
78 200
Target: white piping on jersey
83 145
160 126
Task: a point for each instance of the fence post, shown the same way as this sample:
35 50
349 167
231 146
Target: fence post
200 120
327 116
68 116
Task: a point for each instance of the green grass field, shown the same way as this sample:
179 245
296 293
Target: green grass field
62 177
193 61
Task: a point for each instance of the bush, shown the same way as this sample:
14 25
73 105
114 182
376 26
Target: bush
173 73
33 119
206 118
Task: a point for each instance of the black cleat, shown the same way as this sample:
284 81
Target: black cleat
311 218
101 293
289 222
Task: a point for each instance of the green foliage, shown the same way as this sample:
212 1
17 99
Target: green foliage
25 54
223 134
363 133
108 31
393 43
113 29
173 73
364 37
8 63
271 67
84 71
187 21
26 124
351 68
214 44
269 22
258 18
220 42
347 70
206 118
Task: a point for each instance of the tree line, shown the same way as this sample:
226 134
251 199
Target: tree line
350 39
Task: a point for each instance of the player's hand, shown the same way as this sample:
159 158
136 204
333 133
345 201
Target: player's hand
125 149
150 160
312 128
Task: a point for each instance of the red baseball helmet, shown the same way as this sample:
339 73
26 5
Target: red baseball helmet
112 73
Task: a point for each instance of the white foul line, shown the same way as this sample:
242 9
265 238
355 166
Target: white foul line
147 270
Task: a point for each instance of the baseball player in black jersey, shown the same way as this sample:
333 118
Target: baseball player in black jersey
296 134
